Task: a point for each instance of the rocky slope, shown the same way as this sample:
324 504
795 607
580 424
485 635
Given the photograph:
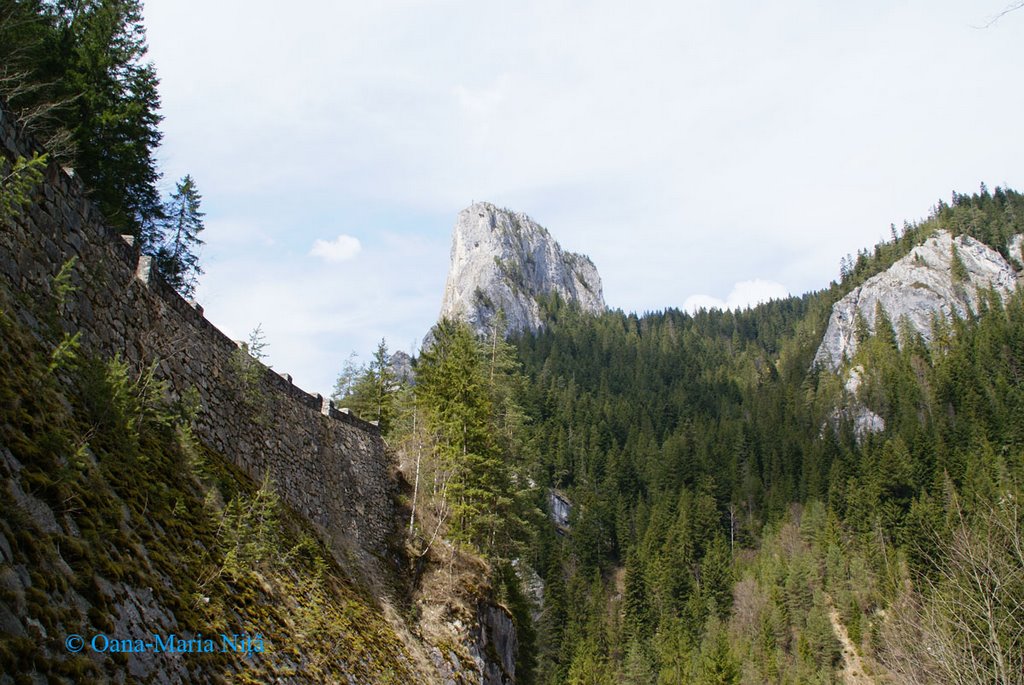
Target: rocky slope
943 276
503 261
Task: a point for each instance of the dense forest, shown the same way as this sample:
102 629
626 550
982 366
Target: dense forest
705 458
727 519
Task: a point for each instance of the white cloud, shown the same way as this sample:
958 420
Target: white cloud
481 102
341 249
744 294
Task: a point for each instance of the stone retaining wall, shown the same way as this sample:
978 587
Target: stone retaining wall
329 466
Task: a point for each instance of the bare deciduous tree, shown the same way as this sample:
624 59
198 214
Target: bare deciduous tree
965 623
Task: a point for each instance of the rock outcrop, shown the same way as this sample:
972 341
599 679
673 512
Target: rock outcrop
864 420
496 645
401 367
943 276
503 261
561 509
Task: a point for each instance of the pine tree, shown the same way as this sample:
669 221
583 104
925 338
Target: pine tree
176 257
639 667
552 657
452 389
383 385
717 665
17 183
369 390
74 75
29 74
347 379
637 608
97 61
957 266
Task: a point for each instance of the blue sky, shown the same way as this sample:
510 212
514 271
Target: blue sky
700 152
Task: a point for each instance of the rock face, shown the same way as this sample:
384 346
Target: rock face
503 261
865 421
561 509
496 645
925 283
401 366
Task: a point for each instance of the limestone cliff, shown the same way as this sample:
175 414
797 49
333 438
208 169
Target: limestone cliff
943 276
503 261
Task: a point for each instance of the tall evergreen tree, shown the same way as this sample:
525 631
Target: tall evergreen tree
369 390
176 257
30 71
636 605
453 389
97 60
382 386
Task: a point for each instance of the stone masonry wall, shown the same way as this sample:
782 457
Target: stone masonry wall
329 466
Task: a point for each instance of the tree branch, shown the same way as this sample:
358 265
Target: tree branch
1016 5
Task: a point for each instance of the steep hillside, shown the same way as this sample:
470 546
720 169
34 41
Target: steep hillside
130 550
503 261
123 539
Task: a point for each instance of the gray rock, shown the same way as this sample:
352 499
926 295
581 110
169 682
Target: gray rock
401 366
865 421
912 292
9 461
23 576
532 585
9 623
495 637
6 554
561 508
503 261
10 582
916 289
36 626
1016 250
40 513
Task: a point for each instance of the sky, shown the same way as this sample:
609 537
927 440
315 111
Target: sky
701 153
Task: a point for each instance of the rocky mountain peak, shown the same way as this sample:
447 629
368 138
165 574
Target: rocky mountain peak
503 261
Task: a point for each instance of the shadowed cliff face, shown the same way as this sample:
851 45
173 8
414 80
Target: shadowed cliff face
503 261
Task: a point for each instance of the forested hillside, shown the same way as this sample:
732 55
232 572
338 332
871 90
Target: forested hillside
728 523
722 506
